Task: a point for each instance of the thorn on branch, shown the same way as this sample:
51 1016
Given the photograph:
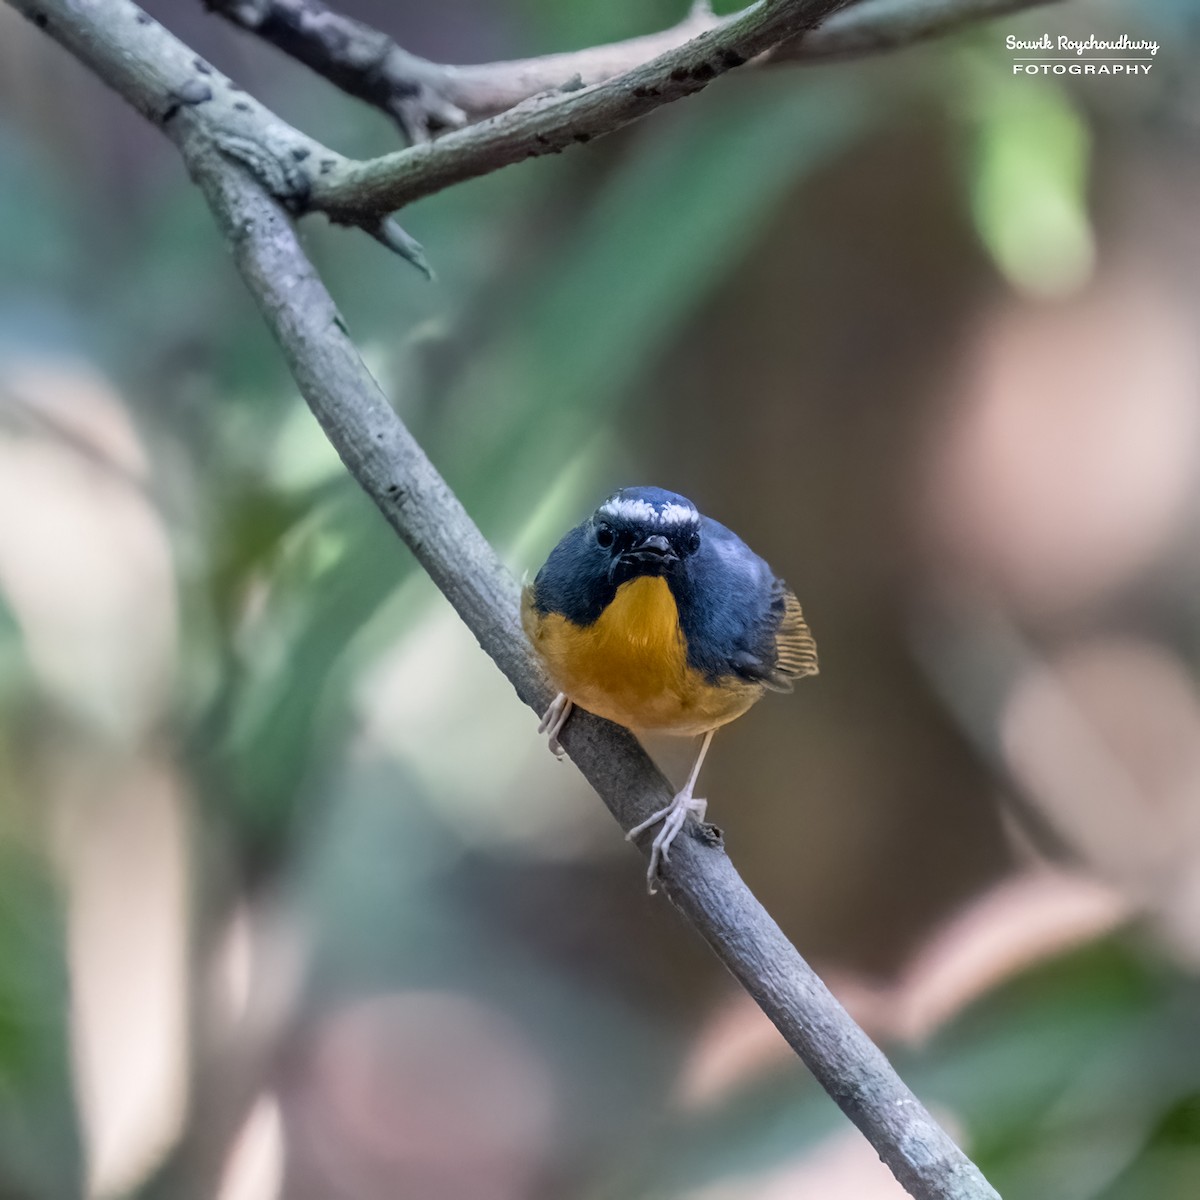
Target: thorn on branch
390 233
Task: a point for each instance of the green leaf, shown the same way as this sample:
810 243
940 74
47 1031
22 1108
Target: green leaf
1030 151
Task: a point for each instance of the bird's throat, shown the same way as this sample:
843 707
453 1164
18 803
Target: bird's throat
643 620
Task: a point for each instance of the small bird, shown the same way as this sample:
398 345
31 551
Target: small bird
662 620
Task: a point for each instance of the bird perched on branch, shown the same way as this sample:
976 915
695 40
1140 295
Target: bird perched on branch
661 619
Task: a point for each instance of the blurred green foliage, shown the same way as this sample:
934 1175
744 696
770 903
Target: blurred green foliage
39 1142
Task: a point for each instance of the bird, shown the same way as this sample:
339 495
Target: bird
659 618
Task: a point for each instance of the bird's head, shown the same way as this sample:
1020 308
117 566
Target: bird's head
644 531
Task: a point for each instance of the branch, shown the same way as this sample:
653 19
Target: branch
700 880
427 98
382 456
423 97
183 94
548 124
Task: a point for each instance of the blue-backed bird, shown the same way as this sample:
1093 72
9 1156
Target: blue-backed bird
661 619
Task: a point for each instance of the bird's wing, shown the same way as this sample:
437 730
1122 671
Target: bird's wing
740 619
795 646
788 654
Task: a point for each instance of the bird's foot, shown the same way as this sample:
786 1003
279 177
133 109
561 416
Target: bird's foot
554 719
672 818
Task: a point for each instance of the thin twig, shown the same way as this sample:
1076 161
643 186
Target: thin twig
548 124
382 456
427 98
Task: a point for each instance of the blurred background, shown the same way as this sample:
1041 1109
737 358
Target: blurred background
293 901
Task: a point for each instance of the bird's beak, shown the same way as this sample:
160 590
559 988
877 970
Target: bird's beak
656 545
654 551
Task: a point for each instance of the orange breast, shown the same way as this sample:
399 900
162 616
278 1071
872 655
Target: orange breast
631 664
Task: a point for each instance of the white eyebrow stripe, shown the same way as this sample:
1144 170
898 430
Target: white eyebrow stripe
629 510
677 514
642 510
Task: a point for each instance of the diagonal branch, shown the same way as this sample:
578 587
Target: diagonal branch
427 98
381 454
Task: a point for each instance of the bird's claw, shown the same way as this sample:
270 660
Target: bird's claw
673 818
554 718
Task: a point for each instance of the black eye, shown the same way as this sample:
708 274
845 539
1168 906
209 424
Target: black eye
693 543
604 536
